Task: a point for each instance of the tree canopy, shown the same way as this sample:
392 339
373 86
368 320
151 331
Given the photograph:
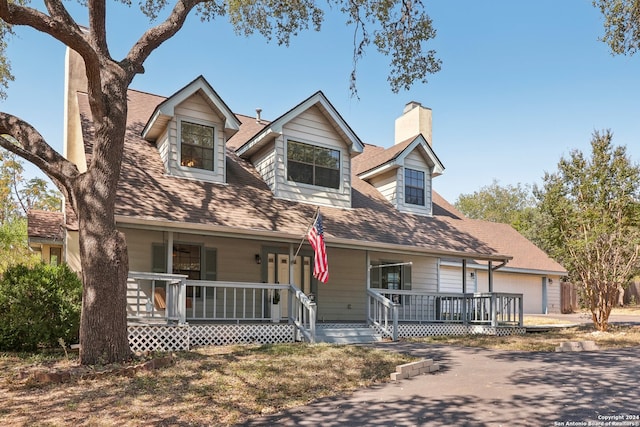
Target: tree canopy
509 204
591 214
621 25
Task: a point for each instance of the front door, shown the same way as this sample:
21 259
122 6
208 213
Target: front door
278 272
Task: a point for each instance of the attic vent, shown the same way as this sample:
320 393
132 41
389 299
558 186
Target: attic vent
410 106
258 111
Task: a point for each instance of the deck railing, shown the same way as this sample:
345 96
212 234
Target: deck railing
493 308
383 313
302 314
172 297
157 295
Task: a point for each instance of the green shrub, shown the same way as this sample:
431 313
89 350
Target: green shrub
38 306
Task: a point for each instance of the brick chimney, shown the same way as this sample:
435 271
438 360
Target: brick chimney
415 120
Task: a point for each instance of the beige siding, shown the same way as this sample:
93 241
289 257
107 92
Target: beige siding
451 279
386 184
311 127
343 298
197 110
424 270
164 148
415 161
264 162
529 285
553 295
72 256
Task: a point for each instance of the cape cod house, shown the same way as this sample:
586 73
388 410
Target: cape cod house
215 207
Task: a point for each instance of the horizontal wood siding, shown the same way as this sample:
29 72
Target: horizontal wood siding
311 127
554 304
415 161
386 184
164 148
529 285
343 297
424 269
264 161
196 109
451 279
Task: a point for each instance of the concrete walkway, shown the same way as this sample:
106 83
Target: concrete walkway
478 387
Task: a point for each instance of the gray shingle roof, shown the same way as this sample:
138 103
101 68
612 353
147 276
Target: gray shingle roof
247 205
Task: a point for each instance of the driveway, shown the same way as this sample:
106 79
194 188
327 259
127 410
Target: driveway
479 387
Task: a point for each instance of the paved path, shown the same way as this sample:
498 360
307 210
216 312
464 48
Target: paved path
478 387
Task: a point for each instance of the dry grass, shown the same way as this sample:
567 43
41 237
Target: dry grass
617 337
211 386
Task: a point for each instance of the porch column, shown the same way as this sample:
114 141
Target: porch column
490 276
292 259
367 263
169 252
464 276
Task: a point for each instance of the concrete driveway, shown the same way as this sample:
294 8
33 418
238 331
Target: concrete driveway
478 387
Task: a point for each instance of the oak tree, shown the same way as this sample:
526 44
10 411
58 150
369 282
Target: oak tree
398 29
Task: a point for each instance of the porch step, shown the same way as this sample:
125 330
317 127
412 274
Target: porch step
347 335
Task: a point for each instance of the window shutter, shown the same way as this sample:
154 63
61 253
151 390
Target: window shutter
210 264
159 258
406 277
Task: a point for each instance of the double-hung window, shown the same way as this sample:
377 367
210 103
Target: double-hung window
313 165
196 145
414 187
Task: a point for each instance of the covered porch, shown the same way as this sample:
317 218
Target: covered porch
170 312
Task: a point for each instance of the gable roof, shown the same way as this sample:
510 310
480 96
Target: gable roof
165 111
503 237
275 127
45 226
245 206
380 161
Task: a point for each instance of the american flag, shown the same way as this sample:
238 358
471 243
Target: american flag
316 239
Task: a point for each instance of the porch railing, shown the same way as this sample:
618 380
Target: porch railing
303 312
172 297
494 308
383 313
157 295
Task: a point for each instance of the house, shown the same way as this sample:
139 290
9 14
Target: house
46 235
215 207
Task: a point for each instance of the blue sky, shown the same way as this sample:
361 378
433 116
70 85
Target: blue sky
522 82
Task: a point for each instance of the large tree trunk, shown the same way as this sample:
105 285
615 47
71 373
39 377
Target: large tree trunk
105 266
103 250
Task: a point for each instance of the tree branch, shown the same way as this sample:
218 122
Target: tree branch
97 26
157 35
32 147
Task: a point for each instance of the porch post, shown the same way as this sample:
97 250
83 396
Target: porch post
169 252
290 313
464 276
490 276
367 260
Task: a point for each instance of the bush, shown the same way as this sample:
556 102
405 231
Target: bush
38 306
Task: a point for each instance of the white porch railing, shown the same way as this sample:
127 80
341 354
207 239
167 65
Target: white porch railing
302 313
172 297
157 295
495 309
383 313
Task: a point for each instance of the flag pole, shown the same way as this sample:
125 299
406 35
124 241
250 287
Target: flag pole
315 218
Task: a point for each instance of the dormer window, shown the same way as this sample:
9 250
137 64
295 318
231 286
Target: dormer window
197 145
313 165
414 187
